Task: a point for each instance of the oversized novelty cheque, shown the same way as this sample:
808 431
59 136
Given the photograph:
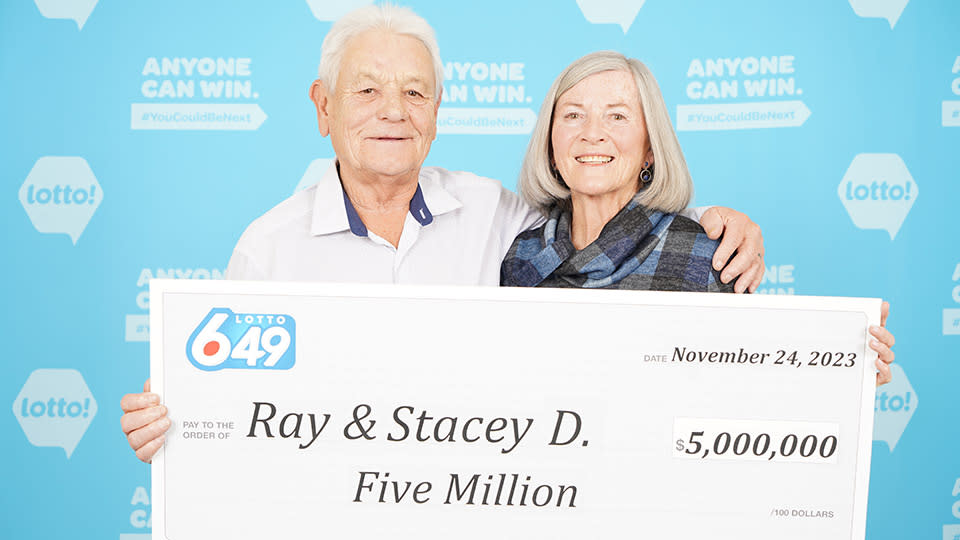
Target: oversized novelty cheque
361 411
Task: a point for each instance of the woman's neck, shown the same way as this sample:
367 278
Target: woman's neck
592 213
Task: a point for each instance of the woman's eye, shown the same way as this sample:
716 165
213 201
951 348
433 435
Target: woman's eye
414 93
571 116
618 116
367 91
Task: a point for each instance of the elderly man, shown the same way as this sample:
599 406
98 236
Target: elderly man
378 216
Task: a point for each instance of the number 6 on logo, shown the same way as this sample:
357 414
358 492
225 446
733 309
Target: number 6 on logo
225 339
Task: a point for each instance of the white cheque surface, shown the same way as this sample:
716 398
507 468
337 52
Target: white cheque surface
335 411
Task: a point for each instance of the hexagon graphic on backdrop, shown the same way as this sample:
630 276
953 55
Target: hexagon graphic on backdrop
878 192
325 10
75 10
894 407
314 173
622 12
880 9
60 195
55 408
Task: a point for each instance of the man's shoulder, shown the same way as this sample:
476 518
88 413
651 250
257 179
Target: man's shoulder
462 181
291 214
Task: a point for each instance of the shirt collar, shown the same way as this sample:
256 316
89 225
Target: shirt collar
333 212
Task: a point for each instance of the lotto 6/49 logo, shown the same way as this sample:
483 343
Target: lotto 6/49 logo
243 341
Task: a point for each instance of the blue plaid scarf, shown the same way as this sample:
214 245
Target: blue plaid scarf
637 249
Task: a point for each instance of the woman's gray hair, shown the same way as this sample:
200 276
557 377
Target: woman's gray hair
671 188
398 20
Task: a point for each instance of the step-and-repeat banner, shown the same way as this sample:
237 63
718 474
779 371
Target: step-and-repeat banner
140 138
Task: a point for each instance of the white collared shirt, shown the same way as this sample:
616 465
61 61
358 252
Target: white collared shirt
463 227
458 230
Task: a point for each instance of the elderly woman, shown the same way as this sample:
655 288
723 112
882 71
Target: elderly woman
605 166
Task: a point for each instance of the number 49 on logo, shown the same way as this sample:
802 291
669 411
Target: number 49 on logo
228 340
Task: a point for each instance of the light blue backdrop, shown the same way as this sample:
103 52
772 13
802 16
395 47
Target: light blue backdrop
865 116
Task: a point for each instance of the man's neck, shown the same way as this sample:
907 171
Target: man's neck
381 202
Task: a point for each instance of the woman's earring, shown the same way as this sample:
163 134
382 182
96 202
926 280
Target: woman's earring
646 175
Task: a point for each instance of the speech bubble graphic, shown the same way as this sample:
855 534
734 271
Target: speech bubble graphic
894 406
621 12
60 195
880 9
325 10
878 192
54 408
76 10
314 173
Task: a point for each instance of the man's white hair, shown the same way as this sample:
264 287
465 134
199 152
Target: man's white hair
398 20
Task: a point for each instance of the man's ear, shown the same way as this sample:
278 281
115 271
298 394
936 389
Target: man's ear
321 100
437 108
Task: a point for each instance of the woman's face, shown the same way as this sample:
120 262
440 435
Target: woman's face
599 136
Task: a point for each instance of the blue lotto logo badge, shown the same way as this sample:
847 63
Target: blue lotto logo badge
60 195
227 340
878 192
55 408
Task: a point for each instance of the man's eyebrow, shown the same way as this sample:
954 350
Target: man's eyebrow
378 77
368 75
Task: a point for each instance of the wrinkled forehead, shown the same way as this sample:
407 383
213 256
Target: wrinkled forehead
384 56
604 88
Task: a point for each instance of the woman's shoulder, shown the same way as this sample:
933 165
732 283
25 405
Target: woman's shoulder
688 235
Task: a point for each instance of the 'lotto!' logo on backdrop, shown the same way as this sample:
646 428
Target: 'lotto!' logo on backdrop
880 9
226 340
76 10
894 407
621 12
878 192
54 408
60 195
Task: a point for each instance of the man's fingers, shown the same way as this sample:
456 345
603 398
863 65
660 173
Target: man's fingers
146 385
135 420
147 433
712 224
884 353
884 313
732 238
745 280
758 277
135 402
883 373
883 335
146 452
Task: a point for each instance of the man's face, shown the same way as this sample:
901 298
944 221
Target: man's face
383 112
